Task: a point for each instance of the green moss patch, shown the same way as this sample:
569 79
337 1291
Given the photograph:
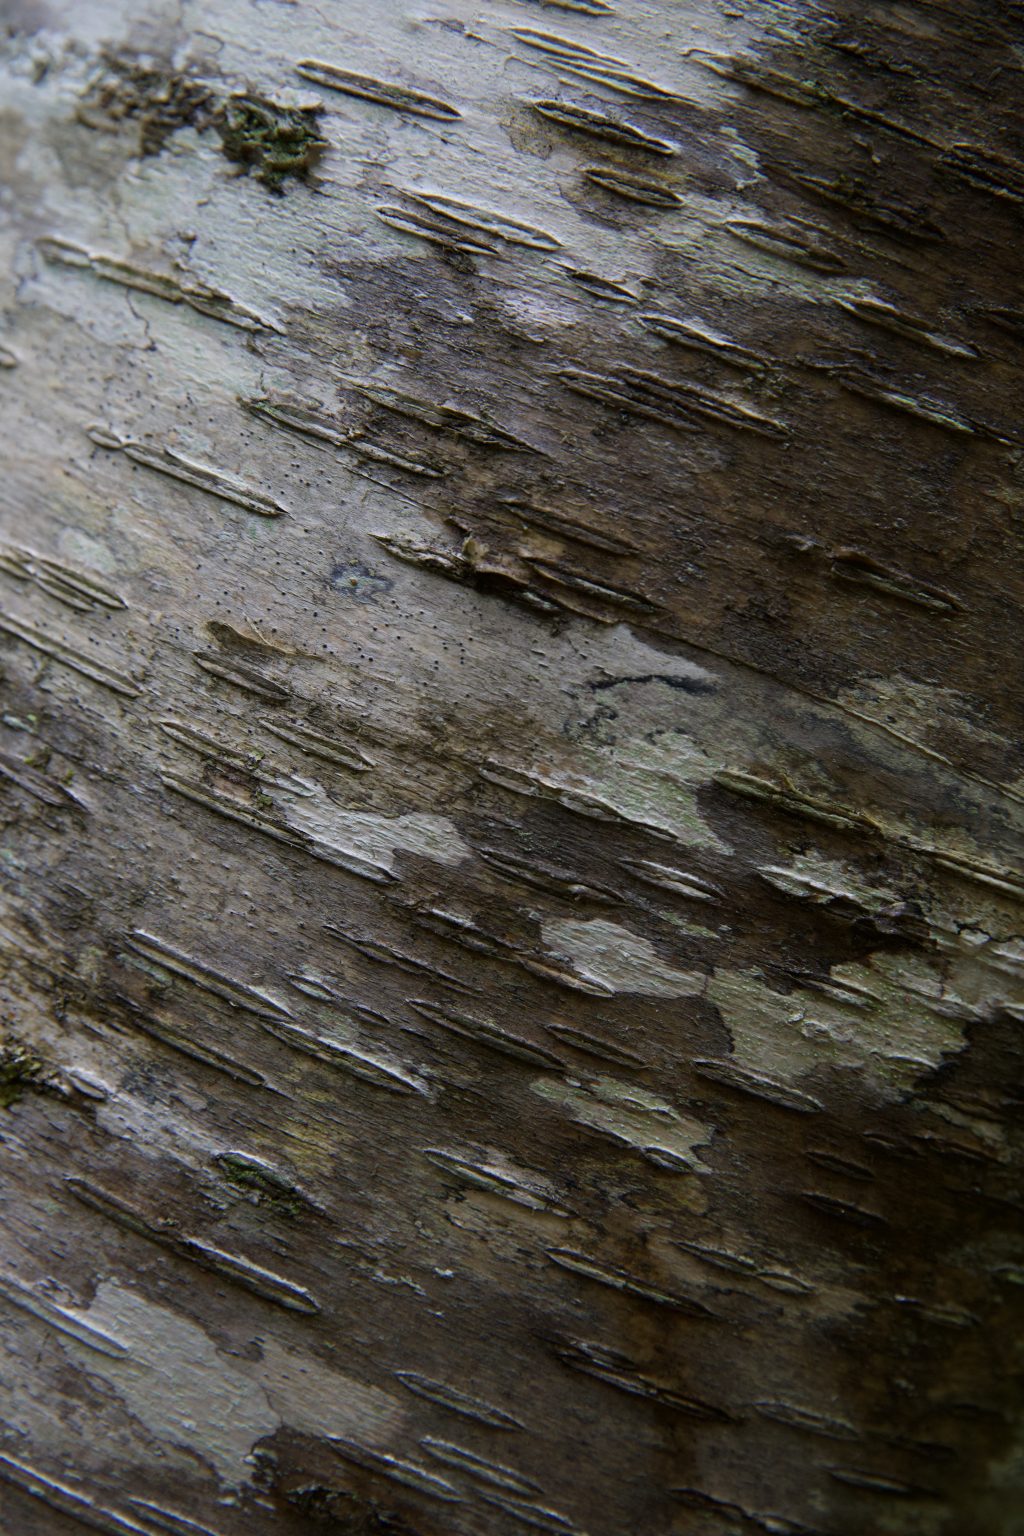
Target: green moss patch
20 1072
271 141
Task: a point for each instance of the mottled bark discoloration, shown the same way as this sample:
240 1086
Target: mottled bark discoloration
510 769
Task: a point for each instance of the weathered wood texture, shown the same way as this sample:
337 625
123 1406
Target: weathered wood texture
510 767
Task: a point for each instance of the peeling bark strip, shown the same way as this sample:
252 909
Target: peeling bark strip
511 975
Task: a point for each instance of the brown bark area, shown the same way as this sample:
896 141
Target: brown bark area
511 771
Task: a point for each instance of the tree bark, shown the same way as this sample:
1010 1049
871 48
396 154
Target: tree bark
510 768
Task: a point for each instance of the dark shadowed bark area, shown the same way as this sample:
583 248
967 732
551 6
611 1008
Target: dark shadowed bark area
511 937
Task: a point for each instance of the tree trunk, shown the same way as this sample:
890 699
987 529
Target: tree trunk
510 768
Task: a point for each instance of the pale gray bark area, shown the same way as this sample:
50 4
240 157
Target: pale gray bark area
509 768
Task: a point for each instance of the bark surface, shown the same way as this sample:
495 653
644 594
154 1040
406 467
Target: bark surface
510 767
